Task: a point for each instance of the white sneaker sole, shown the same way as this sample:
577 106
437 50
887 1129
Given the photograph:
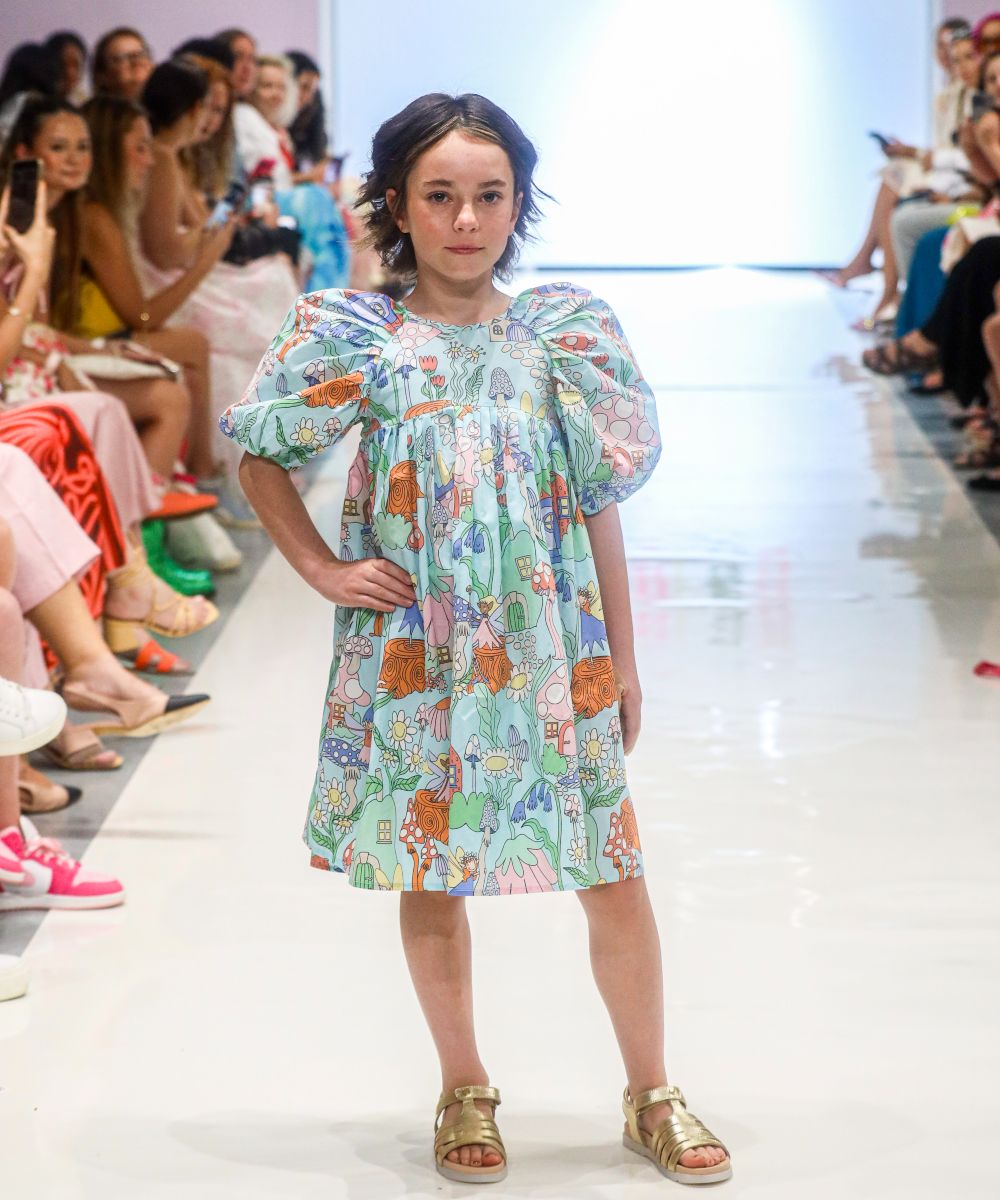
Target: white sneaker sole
10 901
34 739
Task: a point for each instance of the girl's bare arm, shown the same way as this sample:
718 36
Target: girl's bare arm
368 583
606 541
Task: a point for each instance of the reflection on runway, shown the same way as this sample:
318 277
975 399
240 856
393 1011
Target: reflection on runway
816 787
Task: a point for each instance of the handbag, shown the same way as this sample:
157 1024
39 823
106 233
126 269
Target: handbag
112 366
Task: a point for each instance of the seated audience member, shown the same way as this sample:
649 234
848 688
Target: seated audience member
987 34
235 306
71 51
113 302
308 127
264 147
938 177
244 69
20 846
212 168
122 63
60 430
56 133
31 69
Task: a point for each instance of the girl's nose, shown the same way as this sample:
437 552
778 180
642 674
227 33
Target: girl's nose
466 218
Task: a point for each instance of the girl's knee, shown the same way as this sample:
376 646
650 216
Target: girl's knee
174 401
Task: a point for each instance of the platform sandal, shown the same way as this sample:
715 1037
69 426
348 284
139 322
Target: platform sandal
188 615
130 642
674 1136
136 718
470 1128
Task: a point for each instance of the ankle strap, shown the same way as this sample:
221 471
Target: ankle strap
470 1092
657 1095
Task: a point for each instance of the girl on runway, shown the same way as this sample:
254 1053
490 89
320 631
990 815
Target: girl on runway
484 689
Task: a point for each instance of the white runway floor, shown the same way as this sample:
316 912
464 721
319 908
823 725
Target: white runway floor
817 789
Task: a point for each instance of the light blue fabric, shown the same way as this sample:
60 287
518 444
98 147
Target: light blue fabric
472 742
323 233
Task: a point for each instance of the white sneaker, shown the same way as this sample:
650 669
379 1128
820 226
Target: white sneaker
28 717
13 977
200 543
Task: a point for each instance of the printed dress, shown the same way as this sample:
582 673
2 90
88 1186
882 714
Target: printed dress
472 743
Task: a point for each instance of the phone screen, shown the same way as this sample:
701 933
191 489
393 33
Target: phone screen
219 215
24 176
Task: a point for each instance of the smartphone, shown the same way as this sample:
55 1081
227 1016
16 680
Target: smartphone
981 105
230 202
24 176
334 168
260 197
882 140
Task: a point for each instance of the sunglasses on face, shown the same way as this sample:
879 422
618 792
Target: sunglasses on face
129 58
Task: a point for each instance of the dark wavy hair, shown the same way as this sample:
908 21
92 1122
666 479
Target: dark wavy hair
401 140
171 91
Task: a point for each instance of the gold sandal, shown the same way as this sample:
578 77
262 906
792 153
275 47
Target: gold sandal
189 615
471 1128
680 1132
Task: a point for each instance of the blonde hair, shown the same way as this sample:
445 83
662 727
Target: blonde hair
281 63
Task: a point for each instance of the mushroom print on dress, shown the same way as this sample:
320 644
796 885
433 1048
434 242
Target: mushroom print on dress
471 743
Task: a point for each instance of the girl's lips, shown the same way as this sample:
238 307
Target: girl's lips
463 249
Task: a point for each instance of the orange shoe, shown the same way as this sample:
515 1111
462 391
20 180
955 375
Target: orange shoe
180 504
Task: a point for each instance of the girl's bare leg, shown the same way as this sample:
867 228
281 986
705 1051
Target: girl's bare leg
161 411
625 959
438 947
191 350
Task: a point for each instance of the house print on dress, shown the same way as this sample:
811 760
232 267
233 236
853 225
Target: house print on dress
470 743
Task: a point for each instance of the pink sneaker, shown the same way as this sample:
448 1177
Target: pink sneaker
51 878
10 866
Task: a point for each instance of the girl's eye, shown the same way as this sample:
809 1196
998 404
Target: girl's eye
438 196
496 196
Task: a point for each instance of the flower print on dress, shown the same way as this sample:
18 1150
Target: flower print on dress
471 741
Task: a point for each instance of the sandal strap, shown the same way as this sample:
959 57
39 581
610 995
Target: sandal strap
471 1127
152 656
673 1136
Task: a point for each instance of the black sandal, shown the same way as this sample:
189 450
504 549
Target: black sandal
905 360
984 483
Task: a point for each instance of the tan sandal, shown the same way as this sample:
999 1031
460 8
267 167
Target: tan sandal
86 753
189 615
470 1128
136 718
680 1132
36 793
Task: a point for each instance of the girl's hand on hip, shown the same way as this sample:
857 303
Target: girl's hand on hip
369 583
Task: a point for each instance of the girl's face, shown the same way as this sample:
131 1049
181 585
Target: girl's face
63 145
216 105
72 68
244 74
965 62
307 84
128 65
991 81
137 146
272 88
460 207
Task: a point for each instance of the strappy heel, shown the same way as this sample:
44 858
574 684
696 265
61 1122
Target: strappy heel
185 612
470 1128
680 1132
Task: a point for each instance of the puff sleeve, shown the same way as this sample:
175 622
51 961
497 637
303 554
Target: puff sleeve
313 382
605 406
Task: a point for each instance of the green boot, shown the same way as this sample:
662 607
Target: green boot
188 583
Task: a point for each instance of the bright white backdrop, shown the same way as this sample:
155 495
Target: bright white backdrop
671 133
